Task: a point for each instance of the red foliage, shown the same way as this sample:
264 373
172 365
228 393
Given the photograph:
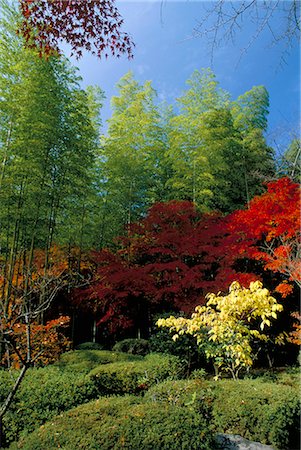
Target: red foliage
169 260
175 255
284 289
92 25
295 335
270 229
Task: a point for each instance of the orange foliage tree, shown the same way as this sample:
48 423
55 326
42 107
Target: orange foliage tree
24 337
34 282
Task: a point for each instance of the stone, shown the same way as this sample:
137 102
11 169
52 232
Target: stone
236 442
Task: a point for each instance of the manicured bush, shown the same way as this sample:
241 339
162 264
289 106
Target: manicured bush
89 346
290 376
115 423
48 391
259 411
85 360
132 346
44 393
132 377
194 393
177 392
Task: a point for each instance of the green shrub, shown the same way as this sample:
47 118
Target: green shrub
115 423
89 346
289 376
7 379
264 412
132 346
44 393
197 394
185 347
132 377
256 410
178 392
85 360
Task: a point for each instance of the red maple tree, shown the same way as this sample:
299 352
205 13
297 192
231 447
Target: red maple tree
165 262
173 257
91 25
269 231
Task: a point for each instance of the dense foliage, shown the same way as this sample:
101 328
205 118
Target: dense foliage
125 422
78 377
174 256
118 228
93 26
226 406
227 325
260 411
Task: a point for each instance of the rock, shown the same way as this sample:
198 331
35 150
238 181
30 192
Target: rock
236 442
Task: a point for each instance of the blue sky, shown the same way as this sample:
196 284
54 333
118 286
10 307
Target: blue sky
167 53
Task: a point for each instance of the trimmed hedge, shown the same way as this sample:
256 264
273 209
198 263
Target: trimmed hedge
178 392
132 377
115 423
46 392
264 412
85 360
89 346
132 346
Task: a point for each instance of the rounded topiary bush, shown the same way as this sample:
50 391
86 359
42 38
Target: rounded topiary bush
132 377
259 411
85 360
115 423
44 393
132 346
89 346
178 392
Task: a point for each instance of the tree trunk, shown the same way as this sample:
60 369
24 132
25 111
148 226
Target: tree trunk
8 401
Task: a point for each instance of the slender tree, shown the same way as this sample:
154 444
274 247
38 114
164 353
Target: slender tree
48 146
218 152
131 156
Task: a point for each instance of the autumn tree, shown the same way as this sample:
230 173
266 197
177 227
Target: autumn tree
93 26
163 263
227 325
269 231
176 255
24 340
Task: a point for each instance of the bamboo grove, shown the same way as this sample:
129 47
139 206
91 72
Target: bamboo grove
66 187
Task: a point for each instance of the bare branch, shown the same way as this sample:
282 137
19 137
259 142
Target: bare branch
226 19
